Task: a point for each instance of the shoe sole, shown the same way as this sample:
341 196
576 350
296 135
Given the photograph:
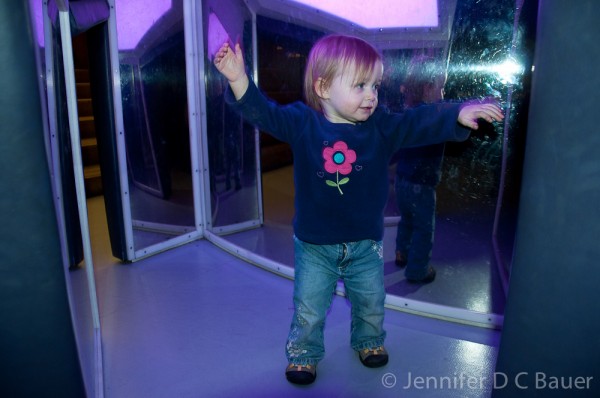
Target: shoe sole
375 364
302 378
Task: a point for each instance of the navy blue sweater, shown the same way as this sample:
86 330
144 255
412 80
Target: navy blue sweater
341 170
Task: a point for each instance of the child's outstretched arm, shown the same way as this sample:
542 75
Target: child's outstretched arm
469 114
230 62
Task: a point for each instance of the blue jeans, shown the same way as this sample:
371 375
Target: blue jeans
414 237
317 270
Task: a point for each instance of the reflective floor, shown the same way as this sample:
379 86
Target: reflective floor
197 322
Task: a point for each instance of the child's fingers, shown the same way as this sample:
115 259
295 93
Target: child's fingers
238 50
494 111
488 116
489 112
495 114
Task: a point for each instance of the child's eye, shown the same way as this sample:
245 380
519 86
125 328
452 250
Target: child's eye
361 85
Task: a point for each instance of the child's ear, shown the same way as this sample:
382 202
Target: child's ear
321 89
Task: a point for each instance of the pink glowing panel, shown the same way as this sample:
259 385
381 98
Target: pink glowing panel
381 13
217 35
136 17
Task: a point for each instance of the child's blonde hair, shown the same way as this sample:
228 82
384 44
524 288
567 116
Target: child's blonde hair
330 56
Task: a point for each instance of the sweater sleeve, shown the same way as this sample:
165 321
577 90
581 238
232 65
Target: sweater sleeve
281 121
423 125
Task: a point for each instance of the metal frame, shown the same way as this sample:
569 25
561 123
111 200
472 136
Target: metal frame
194 47
256 130
65 31
118 113
52 138
503 268
69 71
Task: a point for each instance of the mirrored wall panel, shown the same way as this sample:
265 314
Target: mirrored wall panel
480 66
232 144
151 48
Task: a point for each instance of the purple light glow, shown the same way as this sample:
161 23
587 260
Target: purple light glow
217 35
136 17
37 20
381 13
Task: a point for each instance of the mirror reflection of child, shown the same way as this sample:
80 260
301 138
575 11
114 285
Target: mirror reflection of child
418 172
342 144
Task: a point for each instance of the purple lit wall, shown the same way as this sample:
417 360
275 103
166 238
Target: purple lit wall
217 35
136 17
36 17
223 22
382 13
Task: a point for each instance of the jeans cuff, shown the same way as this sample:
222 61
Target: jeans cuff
303 361
369 344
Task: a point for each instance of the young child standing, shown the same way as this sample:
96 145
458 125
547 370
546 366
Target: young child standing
342 144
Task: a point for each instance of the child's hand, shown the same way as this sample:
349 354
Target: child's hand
230 62
469 114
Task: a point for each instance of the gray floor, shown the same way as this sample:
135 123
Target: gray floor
197 322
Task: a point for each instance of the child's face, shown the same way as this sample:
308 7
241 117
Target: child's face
349 101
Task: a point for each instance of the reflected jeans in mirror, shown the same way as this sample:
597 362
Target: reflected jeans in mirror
414 239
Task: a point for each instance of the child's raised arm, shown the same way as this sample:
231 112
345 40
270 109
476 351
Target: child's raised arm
469 114
230 62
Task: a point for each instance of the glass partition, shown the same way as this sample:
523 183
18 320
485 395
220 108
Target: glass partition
482 65
151 51
231 143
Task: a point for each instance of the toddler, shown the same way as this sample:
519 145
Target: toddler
342 144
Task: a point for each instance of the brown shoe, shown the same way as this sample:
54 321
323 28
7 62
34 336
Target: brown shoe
375 357
400 260
301 374
430 277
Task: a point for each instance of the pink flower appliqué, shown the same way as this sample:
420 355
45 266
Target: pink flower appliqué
338 160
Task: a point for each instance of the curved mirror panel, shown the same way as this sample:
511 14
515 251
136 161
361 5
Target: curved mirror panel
151 49
234 201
